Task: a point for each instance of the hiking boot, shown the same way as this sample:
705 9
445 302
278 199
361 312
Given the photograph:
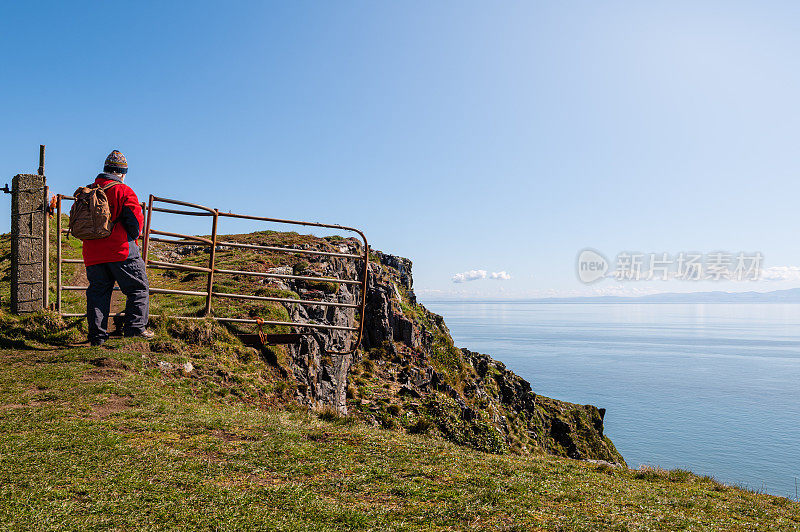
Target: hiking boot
97 342
147 334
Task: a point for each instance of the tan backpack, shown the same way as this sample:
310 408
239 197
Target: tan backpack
90 215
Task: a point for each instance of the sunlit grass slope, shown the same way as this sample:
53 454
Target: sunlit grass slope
121 437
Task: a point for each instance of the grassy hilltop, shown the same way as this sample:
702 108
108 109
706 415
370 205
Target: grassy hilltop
195 430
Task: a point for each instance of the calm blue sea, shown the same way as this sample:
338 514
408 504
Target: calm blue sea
713 388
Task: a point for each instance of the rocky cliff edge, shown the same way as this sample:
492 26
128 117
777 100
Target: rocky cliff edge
409 375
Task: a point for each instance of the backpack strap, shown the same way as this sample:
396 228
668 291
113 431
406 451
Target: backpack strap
106 187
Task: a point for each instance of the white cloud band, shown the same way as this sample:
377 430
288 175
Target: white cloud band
781 273
474 275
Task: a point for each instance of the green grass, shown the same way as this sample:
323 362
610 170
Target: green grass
101 438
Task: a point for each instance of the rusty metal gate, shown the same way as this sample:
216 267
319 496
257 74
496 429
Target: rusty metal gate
153 235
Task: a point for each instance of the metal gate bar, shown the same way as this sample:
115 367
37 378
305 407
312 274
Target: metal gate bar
288 250
287 276
178 235
233 296
227 320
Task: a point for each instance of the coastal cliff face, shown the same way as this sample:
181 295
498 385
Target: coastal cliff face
409 375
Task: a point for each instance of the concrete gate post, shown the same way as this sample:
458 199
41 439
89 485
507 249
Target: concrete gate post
28 208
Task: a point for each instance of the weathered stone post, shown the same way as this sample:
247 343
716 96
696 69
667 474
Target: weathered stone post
27 242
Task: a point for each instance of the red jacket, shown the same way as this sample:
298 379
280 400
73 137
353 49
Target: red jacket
126 212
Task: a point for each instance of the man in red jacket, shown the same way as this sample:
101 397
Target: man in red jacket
116 258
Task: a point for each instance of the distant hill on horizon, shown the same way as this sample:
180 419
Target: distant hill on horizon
791 295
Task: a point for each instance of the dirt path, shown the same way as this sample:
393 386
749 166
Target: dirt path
117 299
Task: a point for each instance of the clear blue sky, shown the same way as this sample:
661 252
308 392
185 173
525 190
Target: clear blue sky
502 137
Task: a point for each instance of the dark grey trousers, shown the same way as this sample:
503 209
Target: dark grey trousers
131 276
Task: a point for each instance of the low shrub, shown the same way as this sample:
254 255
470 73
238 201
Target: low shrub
44 327
421 426
300 267
328 413
329 287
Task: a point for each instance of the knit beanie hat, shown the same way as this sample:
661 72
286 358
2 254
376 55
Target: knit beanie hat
116 162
